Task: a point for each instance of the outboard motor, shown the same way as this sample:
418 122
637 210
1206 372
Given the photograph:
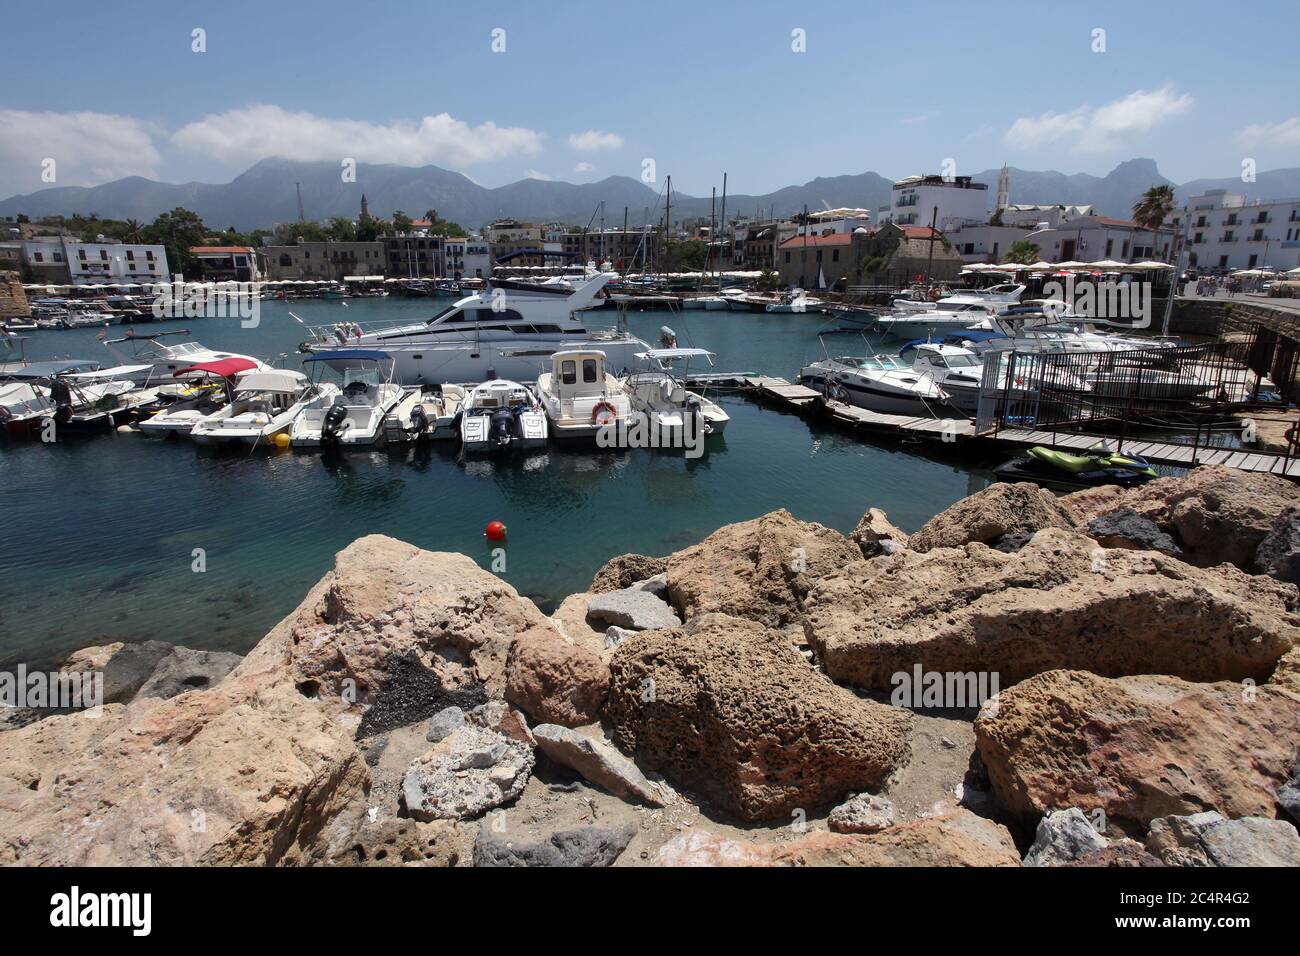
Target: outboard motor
61 395
502 427
667 337
419 420
491 374
334 423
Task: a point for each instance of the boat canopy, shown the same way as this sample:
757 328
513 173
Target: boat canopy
274 380
342 355
675 353
226 368
117 371
48 369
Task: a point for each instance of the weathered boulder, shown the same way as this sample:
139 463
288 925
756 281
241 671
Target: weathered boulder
1000 509
632 608
862 813
1217 514
1286 675
466 774
1063 836
957 839
598 763
249 772
626 570
1288 795
1137 747
397 841
876 535
1117 853
733 710
1278 555
759 569
444 722
504 719
1126 528
1207 839
186 669
615 636
127 670
393 634
578 846
1060 602
555 681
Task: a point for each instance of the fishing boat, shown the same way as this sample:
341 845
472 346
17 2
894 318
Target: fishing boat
510 329
659 394
500 414
579 396
356 415
425 413
265 404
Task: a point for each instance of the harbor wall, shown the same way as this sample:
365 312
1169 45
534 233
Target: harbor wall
13 298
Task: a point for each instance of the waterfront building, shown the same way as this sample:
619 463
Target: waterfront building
890 254
986 242
327 260
1225 231
414 256
624 248
508 236
226 263
1093 238
913 201
63 259
467 257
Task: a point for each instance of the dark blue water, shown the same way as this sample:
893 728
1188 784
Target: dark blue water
99 533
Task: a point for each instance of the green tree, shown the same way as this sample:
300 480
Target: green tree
767 279
1021 251
368 230
341 229
432 216
401 222
1152 210
132 231
178 231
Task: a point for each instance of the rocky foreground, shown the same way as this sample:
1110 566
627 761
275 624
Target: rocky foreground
735 703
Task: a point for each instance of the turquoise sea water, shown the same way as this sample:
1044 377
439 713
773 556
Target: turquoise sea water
99 533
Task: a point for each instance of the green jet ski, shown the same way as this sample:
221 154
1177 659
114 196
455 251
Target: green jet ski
1058 469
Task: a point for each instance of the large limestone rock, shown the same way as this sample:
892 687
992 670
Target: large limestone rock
186 669
249 772
877 535
1278 555
1216 513
553 680
759 569
1060 602
1207 839
1138 747
733 710
467 773
598 763
957 839
1286 676
631 608
579 846
1062 837
986 516
625 571
393 634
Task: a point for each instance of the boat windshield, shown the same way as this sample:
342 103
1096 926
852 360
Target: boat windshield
956 361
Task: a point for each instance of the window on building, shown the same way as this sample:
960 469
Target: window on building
835 255
38 257
787 256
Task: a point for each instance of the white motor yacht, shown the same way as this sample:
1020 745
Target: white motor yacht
265 403
356 415
508 331
501 414
579 396
881 383
660 395
947 315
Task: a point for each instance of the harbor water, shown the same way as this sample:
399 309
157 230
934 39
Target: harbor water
125 537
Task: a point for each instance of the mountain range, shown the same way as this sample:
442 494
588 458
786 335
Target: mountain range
265 194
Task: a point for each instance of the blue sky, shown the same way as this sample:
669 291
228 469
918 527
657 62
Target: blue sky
111 89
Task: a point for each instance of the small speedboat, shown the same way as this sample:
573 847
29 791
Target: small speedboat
207 389
356 415
661 397
265 404
797 302
500 414
1069 472
879 383
579 396
425 413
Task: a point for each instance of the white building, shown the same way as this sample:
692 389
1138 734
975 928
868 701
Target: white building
985 242
914 201
1041 215
1093 238
1224 231
842 220
88 263
467 258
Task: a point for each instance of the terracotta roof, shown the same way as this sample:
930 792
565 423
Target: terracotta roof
221 250
919 232
1119 222
834 239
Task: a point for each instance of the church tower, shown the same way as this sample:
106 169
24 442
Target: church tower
365 208
1004 188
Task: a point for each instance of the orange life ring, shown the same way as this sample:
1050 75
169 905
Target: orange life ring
608 419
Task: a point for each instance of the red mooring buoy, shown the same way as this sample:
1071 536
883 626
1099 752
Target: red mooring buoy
495 531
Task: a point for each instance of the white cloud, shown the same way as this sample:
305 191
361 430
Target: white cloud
594 139
87 149
1106 127
918 119
1283 133
584 167
261 130
537 174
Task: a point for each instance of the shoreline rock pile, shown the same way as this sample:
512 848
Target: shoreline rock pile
1134 658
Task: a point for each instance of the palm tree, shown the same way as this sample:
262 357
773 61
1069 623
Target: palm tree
1153 209
131 232
432 216
1022 251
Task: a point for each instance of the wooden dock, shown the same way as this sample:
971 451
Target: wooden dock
800 398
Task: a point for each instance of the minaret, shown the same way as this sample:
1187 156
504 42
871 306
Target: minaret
365 208
1004 188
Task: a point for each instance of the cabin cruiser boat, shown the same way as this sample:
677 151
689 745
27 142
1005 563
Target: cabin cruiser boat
207 390
880 383
163 361
501 414
996 296
356 416
100 399
266 402
659 395
711 303
579 396
510 329
797 301
425 413
947 315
